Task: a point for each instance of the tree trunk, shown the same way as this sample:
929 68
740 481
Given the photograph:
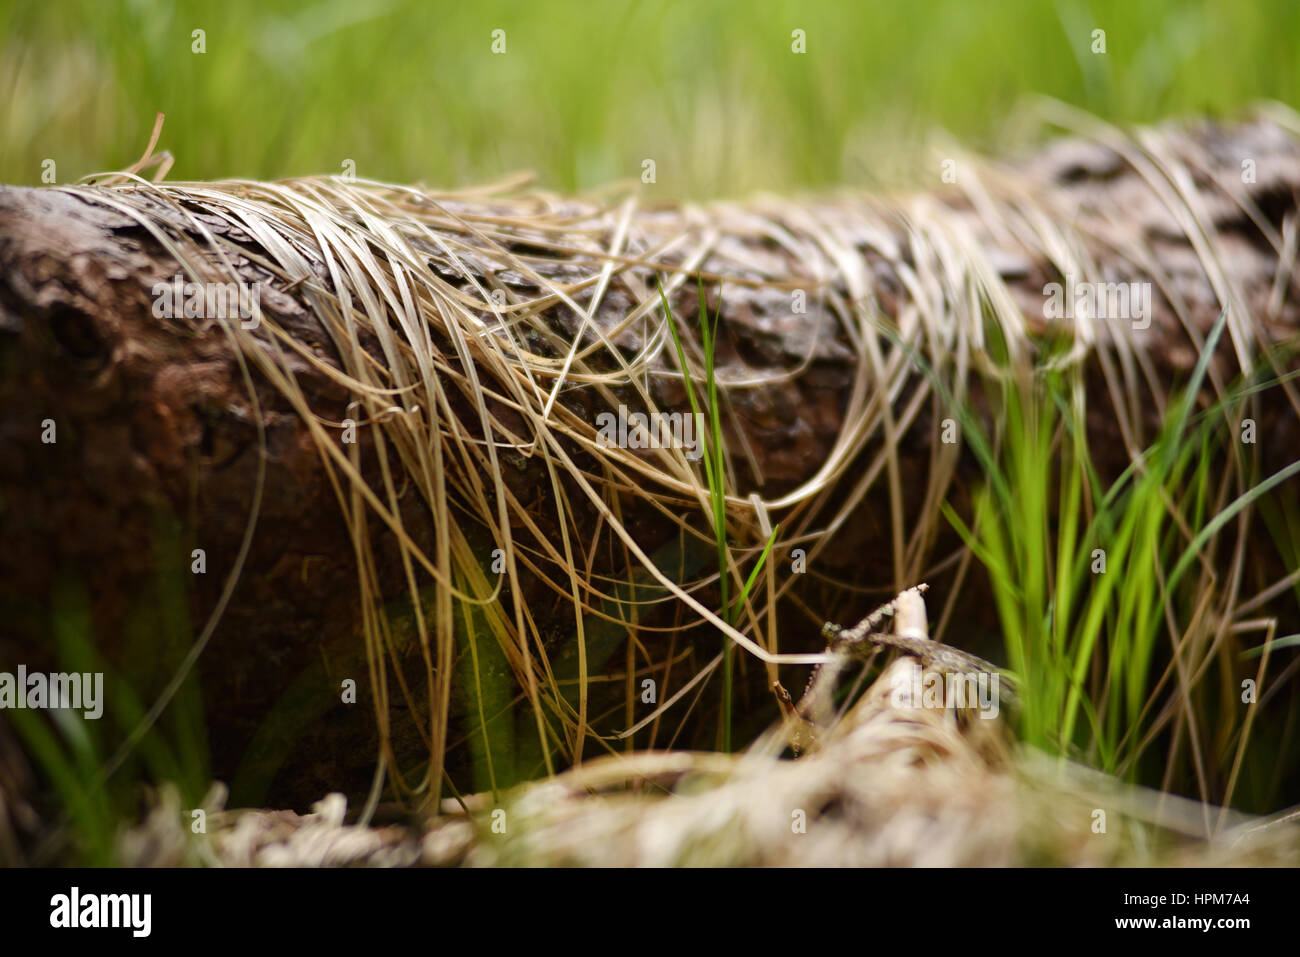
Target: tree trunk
156 447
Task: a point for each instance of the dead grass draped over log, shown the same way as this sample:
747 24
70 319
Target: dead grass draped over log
464 323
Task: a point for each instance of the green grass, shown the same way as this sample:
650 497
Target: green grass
716 484
73 754
410 90
1089 642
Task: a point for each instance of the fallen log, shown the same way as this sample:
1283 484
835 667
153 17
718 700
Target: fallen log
388 467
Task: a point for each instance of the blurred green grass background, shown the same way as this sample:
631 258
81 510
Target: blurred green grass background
411 91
